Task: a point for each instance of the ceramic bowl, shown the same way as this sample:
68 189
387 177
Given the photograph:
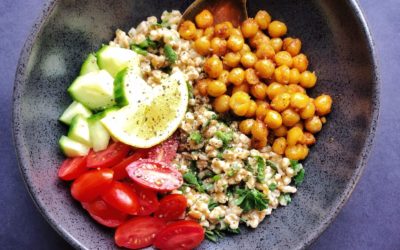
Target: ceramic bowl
337 42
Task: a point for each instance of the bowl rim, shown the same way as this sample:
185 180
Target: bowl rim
22 155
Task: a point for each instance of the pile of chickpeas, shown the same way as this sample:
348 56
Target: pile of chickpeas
260 76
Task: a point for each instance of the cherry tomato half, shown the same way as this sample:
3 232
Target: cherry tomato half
181 235
104 214
108 157
122 197
166 151
120 169
155 175
72 168
92 184
147 199
138 232
172 207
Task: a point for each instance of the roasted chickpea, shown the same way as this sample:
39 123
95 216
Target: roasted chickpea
202 45
290 117
307 139
259 91
265 68
236 76
299 125
251 76
308 111
282 74
299 100
273 119
187 30
209 32
248 59
221 103
262 109
283 58
223 77
222 30
239 103
294 135
259 130
277 29
204 19
246 125
201 86
300 62
308 79
259 144
263 19
294 88
235 43
292 45
213 66
276 43
279 145
245 49
258 39
294 77
232 59
252 109
244 87
265 51
249 28
323 104
296 152
216 88
236 32
275 89
313 124
218 46
281 131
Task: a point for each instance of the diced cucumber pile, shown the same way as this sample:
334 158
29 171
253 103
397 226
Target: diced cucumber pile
95 93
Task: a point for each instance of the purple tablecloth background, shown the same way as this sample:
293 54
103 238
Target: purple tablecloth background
371 218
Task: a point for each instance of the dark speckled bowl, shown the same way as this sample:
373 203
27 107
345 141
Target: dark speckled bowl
337 41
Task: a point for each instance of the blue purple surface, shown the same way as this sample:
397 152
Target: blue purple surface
370 220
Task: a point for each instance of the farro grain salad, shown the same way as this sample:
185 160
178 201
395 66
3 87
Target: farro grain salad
180 131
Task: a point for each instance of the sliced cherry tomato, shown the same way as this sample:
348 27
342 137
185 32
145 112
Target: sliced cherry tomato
166 151
104 214
108 157
122 197
138 232
92 184
181 235
120 169
147 199
72 168
155 175
172 207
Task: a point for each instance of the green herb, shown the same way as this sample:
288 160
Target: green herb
196 137
214 117
220 155
260 169
214 235
190 90
271 164
225 137
192 180
138 50
170 54
147 43
216 177
293 162
297 167
272 186
251 199
207 186
231 172
233 231
299 177
212 204
285 199
193 166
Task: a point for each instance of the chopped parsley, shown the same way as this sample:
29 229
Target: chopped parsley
138 50
220 155
196 137
271 164
251 199
190 90
285 199
214 235
147 43
212 204
260 169
272 186
170 54
192 181
225 137
299 177
216 177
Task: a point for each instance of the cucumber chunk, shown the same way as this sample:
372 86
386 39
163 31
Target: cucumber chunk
79 130
74 109
72 148
115 59
99 135
95 90
89 65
